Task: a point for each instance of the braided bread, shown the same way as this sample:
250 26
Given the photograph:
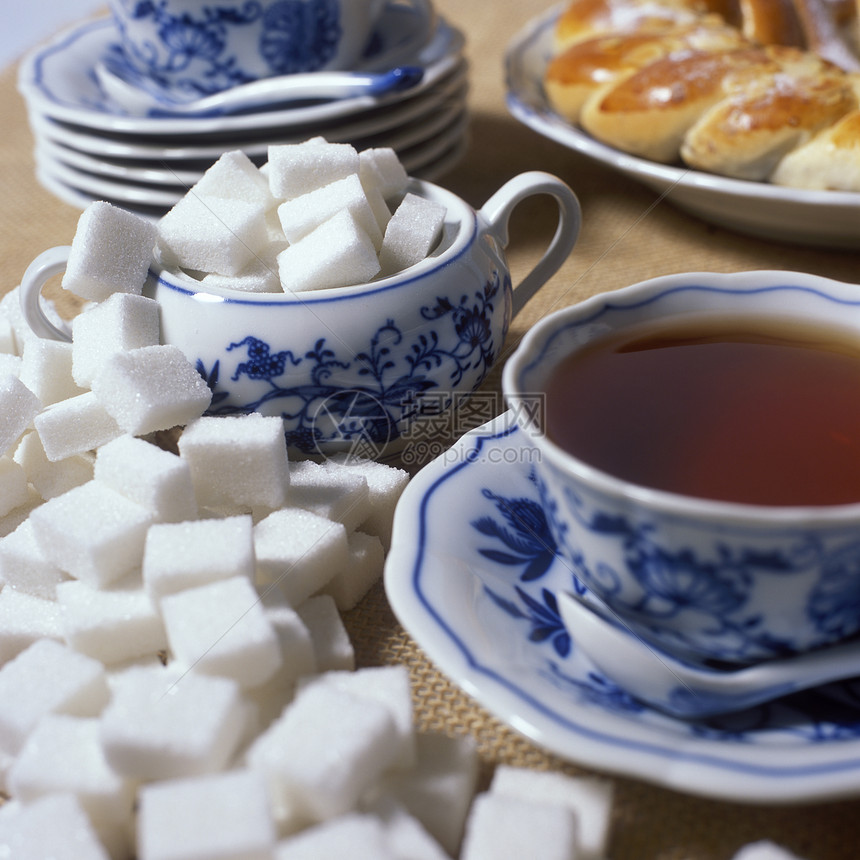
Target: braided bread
753 89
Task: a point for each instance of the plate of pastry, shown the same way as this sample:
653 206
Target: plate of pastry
760 139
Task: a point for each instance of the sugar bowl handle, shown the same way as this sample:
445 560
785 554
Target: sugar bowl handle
497 211
44 267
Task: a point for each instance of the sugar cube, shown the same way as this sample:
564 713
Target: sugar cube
54 826
385 485
184 555
260 276
121 322
299 552
24 565
47 678
222 629
151 388
235 176
14 490
590 798
438 791
297 660
355 835
507 828
163 723
381 168
110 252
237 460
154 478
8 344
389 686
92 532
53 478
329 492
337 253
301 215
223 817
111 624
325 750
212 234
18 407
25 619
11 311
297 169
404 834
332 647
413 231
75 426
11 364
362 572
63 755
46 369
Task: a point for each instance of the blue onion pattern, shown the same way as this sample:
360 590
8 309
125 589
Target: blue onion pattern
297 36
391 375
828 714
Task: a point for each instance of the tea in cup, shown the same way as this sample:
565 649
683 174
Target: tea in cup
698 457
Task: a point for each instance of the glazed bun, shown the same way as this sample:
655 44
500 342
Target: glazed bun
575 74
746 134
752 89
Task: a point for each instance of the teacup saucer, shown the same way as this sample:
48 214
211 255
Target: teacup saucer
59 81
476 591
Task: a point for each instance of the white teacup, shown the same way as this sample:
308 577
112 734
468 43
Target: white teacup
729 581
355 368
191 48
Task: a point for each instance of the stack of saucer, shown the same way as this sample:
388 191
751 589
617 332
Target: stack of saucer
96 138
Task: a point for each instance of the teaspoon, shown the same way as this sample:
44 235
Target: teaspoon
683 690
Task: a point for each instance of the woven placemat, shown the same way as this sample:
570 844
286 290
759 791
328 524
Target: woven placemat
625 238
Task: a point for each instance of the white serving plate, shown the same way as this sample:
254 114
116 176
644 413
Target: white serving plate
818 218
474 588
58 80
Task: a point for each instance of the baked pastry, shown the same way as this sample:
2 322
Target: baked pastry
649 112
576 73
584 19
759 90
746 133
829 161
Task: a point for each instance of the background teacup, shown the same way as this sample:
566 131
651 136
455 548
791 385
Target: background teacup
196 47
707 579
355 368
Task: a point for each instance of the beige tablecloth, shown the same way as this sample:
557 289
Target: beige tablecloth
623 240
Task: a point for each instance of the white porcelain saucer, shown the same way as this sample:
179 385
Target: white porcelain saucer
371 127
160 189
430 160
475 590
818 218
58 80
447 120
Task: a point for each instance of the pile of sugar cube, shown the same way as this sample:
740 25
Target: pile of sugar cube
317 215
176 678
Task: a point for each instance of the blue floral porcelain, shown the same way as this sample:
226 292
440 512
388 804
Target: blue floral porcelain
355 368
472 575
729 582
391 374
190 49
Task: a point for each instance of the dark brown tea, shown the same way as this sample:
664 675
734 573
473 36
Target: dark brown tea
762 412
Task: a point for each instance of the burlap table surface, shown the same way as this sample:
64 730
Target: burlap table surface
625 238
